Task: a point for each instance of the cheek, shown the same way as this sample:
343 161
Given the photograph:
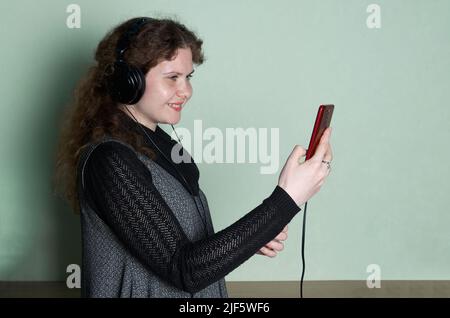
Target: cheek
158 92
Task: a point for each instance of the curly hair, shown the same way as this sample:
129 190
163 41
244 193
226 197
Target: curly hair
92 113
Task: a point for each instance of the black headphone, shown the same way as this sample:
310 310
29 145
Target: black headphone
126 83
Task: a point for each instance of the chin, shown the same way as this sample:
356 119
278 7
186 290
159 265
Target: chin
173 121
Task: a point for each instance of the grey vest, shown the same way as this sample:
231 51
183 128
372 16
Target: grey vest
109 269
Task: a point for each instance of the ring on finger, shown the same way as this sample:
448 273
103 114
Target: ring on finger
328 163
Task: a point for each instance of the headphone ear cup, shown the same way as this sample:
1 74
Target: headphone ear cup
138 79
126 84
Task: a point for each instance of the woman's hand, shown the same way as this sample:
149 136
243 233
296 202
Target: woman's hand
302 180
273 247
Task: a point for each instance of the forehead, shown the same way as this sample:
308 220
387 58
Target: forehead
181 62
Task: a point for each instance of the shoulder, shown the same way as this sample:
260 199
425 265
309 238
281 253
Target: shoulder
116 160
111 150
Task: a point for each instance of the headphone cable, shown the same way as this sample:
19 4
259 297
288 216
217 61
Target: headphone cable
303 250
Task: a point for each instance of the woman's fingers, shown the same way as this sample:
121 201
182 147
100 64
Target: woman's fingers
296 155
329 154
267 252
323 146
282 236
275 245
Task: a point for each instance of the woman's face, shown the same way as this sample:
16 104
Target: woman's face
167 90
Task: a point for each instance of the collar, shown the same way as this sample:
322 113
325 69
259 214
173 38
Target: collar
158 133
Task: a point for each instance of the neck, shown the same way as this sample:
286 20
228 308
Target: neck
136 116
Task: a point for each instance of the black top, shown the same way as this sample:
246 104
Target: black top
188 169
119 188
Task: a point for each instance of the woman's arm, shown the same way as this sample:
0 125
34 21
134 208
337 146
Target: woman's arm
122 192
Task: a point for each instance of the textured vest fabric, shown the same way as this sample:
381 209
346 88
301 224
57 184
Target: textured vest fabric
108 267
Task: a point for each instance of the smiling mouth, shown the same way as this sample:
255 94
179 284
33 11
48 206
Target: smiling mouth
176 107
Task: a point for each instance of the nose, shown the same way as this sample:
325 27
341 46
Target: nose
184 91
181 95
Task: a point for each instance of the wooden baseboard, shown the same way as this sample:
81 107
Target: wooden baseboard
340 289
278 289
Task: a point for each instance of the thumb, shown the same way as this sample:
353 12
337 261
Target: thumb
297 153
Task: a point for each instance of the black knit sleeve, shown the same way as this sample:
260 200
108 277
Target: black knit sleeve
121 191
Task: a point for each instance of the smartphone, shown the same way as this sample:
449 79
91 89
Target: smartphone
323 120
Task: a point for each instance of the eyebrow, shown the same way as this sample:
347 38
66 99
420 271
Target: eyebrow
178 73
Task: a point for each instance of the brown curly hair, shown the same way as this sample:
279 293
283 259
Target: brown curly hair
93 114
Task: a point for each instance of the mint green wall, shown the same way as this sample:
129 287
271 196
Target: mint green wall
269 65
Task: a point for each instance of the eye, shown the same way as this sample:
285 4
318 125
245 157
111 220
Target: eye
189 76
173 78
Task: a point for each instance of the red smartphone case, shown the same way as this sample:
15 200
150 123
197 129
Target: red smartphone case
323 120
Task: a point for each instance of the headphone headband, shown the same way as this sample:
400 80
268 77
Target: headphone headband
124 41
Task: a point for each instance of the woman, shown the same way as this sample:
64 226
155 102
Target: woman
146 226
